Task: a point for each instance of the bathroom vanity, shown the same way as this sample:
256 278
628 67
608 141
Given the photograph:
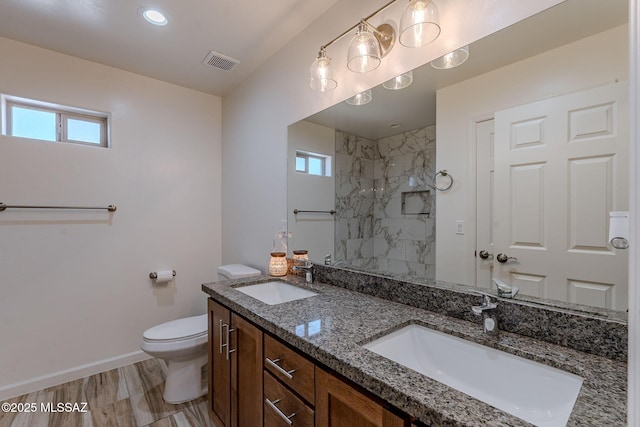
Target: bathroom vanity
307 357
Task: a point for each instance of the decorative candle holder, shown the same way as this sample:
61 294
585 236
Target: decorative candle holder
278 264
301 254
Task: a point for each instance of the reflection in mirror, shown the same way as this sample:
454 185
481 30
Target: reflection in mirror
533 126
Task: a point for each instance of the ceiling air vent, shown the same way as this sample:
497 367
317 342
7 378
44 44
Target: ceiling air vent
220 61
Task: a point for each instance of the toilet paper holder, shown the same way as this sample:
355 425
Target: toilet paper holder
154 274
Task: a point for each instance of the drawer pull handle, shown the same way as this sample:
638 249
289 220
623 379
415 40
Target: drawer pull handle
273 406
274 364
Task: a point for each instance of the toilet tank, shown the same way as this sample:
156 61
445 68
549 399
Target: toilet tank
236 271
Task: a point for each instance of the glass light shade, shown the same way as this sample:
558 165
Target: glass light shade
321 73
278 264
361 99
364 51
419 24
399 82
451 59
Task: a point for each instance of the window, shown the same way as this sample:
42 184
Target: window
27 118
313 163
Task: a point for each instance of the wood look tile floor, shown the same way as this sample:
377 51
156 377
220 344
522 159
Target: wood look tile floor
130 396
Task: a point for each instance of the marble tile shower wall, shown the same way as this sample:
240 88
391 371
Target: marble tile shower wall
371 230
355 197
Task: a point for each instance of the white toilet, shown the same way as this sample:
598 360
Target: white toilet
182 344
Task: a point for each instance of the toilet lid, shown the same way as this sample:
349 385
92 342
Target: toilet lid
187 327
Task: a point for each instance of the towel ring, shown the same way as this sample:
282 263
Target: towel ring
444 173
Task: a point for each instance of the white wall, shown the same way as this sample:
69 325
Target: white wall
75 294
256 115
633 394
313 232
593 61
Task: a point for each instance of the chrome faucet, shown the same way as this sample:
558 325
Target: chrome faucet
308 267
489 316
327 259
504 290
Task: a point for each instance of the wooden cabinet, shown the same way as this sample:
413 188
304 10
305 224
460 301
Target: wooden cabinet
257 381
289 390
246 373
235 369
282 406
339 404
219 365
291 368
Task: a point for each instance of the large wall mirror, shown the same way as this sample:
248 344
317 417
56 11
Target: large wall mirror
518 155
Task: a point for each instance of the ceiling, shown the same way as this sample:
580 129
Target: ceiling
113 32
415 106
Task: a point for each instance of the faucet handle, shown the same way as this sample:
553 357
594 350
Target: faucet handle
505 290
327 259
486 304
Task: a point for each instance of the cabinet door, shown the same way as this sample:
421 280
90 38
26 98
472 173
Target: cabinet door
338 404
246 373
219 365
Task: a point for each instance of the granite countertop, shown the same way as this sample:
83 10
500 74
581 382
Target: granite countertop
331 326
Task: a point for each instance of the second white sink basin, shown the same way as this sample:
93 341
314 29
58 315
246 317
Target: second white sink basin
537 393
273 293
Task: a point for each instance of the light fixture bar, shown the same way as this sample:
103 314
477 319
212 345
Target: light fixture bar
357 24
367 48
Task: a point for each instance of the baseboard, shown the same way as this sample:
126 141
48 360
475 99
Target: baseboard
60 377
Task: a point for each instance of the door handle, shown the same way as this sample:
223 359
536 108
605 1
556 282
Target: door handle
502 258
225 340
484 254
220 335
228 343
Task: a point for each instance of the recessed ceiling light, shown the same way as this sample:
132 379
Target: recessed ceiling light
155 17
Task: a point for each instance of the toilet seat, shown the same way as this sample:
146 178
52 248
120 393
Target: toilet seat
178 330
182 344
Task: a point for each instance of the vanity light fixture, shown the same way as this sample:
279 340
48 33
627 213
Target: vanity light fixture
420 25
361 98
155 17
399 82
321 73
451 59
364 51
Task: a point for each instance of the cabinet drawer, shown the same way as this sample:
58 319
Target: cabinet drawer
280 404
290 367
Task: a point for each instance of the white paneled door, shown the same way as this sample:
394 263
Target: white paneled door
553 171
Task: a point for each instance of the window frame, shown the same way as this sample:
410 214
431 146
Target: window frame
306 155
62 115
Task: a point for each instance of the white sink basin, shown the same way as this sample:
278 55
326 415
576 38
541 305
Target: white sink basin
273 293
537 393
